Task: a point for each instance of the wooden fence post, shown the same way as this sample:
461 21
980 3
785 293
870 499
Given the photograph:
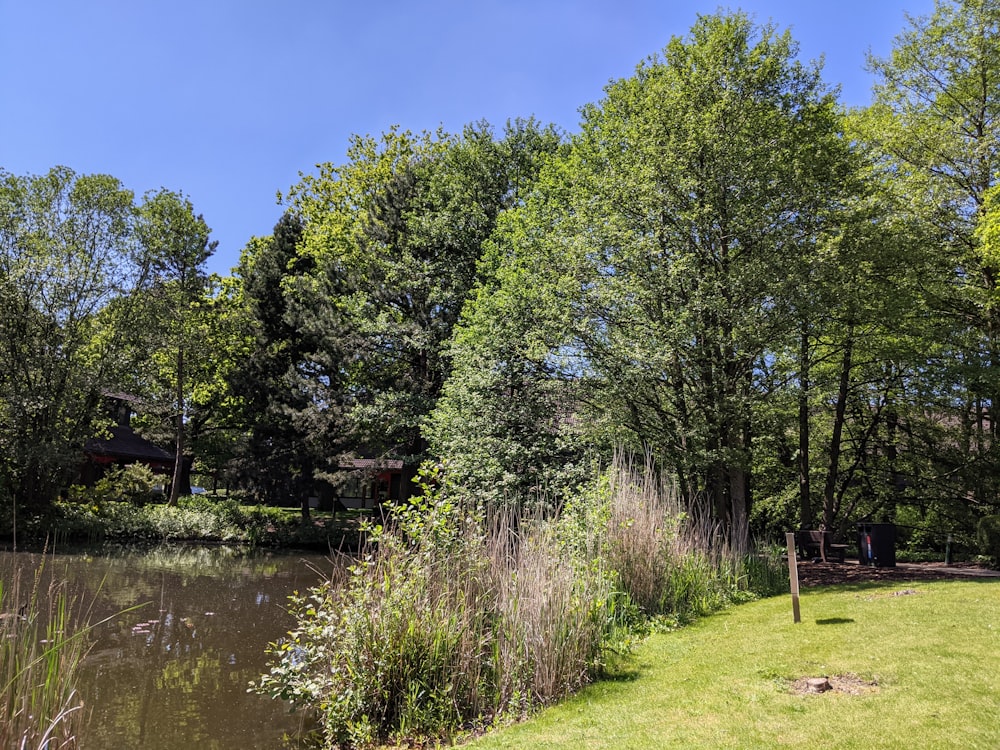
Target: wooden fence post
793 575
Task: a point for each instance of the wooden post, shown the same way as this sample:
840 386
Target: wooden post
793 575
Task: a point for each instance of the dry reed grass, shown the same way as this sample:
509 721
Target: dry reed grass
456 618
670 555
449 623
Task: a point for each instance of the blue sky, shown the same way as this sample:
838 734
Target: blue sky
228 101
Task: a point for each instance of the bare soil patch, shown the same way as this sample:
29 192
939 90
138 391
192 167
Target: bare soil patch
851 684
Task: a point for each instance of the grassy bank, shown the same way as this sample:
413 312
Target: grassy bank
919 664
460 617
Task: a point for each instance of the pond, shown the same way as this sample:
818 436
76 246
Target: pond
173 672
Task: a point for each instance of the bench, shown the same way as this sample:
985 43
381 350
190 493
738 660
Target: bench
813 544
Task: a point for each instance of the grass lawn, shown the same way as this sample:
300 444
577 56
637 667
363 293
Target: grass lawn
931 652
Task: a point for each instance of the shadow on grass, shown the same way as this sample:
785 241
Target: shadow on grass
620 667
835 621
621 675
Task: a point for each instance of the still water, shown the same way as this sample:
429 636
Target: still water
173 673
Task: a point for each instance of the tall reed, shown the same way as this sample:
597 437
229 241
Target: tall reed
41 648
450 622
456 618
669 554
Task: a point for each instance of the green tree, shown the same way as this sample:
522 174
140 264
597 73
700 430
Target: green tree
690 194
506 421
67 252
856 356
510 420
933 122
281 458
223 334
178 245
397 234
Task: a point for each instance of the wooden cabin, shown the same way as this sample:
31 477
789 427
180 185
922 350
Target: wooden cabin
122 446
370 482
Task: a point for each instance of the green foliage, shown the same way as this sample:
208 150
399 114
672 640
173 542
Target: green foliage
396 235
794 307
67 251
177 243
776 514
282 452
456 619
932 131
988 537
132 484
508 421
92 518
96 295
648 279
772 296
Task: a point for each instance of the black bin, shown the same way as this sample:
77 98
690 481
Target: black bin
877 544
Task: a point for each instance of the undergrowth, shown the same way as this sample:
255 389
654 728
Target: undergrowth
194 518
456 618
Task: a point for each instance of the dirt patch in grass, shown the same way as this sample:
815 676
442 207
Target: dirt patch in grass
851 684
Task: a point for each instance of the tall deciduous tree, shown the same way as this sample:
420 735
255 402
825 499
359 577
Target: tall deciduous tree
691 194
508 421
855 352
67 252
178 245
934 122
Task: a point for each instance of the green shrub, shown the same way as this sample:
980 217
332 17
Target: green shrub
133 484
89 518
99 521
988 537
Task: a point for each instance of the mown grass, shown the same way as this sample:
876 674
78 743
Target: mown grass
931 650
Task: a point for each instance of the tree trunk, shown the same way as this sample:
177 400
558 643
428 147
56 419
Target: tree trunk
739 498
892 457
303 487
805 500
830 490
738 442
175 485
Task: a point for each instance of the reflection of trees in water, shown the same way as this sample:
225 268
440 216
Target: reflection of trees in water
173 674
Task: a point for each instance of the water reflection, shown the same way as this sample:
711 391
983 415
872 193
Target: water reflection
173 672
